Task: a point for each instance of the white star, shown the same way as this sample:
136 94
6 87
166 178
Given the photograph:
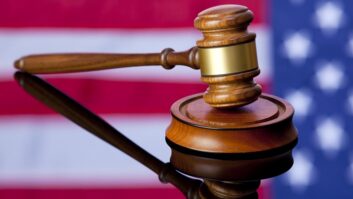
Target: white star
330 136
301 101
297 47
329 17
301 174
330 77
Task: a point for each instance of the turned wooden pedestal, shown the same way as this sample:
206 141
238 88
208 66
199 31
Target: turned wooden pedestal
231 149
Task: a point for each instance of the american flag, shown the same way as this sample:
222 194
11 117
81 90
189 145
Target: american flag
304 48
313 51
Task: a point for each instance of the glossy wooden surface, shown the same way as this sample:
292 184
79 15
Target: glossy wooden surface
236 145
261 126
204 115
229 91
224 25
231 169
67 63
220 25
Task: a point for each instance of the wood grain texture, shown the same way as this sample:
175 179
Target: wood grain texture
221 26
234 90
252 142
224 25
67 63
258 127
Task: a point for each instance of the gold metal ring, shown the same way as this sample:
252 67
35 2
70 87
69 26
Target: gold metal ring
228 59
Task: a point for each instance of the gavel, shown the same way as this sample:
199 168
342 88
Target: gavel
233 137
226 57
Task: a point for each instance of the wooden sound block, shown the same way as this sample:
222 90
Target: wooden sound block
247 143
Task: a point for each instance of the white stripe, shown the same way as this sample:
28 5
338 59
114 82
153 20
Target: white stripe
20 42
50 150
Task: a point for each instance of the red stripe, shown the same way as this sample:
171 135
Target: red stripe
106 193
102 193
112 13
102 96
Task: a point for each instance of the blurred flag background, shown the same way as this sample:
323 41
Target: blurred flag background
305 51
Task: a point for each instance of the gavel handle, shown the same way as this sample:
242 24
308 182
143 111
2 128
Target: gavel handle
78 62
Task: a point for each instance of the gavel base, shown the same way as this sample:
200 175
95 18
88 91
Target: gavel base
232 150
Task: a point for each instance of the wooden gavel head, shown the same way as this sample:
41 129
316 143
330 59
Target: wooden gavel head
227 56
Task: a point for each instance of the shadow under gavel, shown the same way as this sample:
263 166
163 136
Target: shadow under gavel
80 115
